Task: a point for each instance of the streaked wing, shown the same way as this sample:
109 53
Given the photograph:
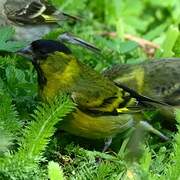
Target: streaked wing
32 10
50 9
140 97
35 12
121 103
30 14
38 13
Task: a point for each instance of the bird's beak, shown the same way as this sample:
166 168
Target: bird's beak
26 52
69 38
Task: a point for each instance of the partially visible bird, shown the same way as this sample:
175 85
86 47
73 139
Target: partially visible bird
104 109
31 19
158 78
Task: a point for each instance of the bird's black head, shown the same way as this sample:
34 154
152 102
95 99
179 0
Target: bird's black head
40 49
44 47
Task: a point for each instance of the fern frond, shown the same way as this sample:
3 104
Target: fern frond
55 171
8 114
38 133
7 60
9 123
24 163
12 167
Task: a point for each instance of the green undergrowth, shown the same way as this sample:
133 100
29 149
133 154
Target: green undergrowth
32 146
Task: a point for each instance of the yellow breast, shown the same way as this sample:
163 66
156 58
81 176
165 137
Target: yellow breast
96 127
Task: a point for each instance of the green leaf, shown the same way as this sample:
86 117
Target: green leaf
37 134
7 33
11 46
24 163
155 32
73 6
169 42
54 170
178 115
176 48
53 35
128 46
145 161
6 141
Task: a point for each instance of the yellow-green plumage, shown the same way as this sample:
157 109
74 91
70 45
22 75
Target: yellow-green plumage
159 79
102 107
96 127
89 90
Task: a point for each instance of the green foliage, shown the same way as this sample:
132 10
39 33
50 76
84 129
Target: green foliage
9 125
36 136
92 164
69 5
147 19
54 34
18 79
172 169
39 151
54 171
12 167
7 45
176 48
169 43
23 164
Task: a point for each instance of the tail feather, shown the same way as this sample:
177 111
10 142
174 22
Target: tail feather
76 18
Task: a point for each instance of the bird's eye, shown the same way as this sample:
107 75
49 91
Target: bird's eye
40 50
43 51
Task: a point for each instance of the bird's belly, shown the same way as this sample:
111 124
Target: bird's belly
31 33
96 127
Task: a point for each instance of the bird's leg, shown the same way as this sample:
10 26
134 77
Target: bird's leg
147 127
107 143
134 147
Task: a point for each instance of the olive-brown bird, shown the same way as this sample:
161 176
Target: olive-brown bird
156 78
103 108
31 19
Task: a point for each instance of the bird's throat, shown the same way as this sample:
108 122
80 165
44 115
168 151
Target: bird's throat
56 81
